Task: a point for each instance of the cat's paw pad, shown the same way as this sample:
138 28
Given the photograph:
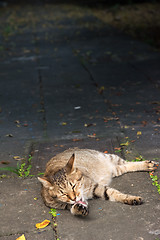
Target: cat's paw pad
79 209
133 200
150 165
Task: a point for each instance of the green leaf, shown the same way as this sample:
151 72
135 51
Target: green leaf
53 212
10 169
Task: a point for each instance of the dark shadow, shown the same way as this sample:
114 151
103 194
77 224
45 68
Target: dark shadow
89 3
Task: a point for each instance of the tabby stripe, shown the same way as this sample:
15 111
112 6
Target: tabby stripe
105 194
94 189
119 161
111 157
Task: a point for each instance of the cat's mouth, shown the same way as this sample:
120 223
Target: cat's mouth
81 202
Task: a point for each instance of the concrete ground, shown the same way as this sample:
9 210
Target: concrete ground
67 79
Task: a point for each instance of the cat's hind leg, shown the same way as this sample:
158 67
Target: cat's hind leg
134 167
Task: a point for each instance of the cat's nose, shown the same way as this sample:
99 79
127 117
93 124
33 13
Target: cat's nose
72 196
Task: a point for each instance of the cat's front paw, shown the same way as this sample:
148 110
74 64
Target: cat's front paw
79 209
133 200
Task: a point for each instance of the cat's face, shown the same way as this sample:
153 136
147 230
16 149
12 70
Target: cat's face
68 189
65 185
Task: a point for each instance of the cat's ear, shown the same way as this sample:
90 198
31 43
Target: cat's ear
69 166
44 182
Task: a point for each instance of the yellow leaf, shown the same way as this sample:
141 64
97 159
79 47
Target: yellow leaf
17 158
43 224
139 133
125 144
101 89
21 238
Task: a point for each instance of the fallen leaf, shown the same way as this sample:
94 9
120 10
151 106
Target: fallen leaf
151 173
43 224
139 133
9 135
89 124
21 238
125 144
17 158
92 136
101 90
64 123
5 162
117 148
155 102
144 123
17 121
106 119
76 140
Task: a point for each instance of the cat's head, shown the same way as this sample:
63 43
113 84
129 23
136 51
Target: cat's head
65 185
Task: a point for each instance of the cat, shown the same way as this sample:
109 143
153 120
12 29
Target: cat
76 175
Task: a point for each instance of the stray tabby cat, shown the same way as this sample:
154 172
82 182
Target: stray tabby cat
76 175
